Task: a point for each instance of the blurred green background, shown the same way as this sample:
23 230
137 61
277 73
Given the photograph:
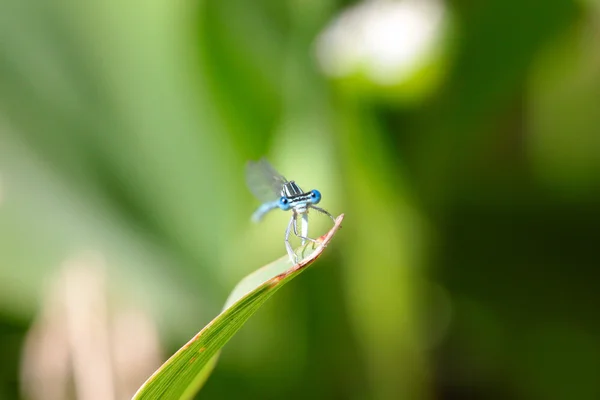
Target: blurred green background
461 140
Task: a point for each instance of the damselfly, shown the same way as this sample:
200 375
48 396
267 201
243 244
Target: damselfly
274 191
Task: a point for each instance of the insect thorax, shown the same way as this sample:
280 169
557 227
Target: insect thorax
291 189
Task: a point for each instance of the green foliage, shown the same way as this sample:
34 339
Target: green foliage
470 259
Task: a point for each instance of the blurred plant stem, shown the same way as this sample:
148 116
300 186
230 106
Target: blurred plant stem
381 274
82 346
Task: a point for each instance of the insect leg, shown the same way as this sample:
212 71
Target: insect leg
304 238
322 212
288 246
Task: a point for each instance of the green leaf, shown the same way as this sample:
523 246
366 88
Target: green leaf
182 375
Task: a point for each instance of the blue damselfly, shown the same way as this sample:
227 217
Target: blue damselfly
274 191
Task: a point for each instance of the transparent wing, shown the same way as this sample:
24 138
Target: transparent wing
264 181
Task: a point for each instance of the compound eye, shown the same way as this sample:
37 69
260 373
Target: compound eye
315 196
284 203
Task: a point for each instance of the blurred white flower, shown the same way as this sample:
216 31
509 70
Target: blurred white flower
387 40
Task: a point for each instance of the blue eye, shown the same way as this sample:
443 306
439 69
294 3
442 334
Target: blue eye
315 196
284 203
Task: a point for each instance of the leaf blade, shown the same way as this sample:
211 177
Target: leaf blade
184 373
